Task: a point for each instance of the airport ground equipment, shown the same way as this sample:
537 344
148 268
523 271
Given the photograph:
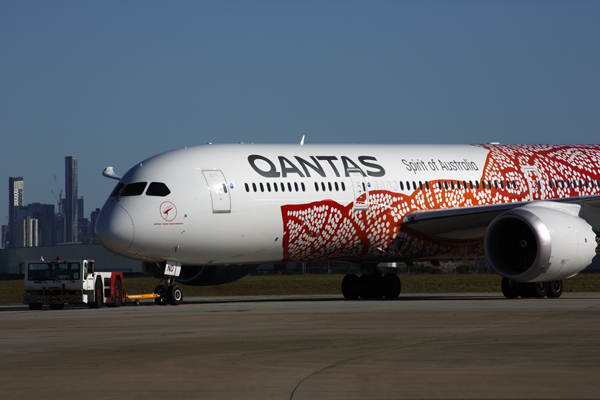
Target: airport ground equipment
61 282
137 297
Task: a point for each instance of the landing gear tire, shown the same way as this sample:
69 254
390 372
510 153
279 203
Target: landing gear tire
36 306
391 286
510 288
174 295
371 286
524 290
377 286
350 287
538 290
118 295
161 300
97 303
555 289
57 306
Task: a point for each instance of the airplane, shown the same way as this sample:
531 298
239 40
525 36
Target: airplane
210 214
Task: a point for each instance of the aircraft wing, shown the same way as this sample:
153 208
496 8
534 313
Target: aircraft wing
467 223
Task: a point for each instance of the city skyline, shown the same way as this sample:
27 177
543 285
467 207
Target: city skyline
39 224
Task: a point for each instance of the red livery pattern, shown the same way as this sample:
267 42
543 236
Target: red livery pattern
512 173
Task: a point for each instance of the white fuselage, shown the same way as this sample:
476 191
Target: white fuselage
232 204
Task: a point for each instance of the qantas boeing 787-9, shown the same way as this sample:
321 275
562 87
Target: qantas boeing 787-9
211 214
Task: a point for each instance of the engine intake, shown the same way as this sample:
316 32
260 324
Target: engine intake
540 242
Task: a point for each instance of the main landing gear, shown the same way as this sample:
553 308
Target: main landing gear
371 285
538 290
168 293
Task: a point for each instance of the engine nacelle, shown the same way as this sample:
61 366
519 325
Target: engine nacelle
540 242
203 275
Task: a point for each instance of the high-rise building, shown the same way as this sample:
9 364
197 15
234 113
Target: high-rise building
26 232
16 199
71 202
93 219
44 213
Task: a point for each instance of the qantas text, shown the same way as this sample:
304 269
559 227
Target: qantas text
285 166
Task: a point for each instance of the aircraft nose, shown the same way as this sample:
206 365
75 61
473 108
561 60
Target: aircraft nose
114 228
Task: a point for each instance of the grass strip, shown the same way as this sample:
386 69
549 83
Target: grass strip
265 285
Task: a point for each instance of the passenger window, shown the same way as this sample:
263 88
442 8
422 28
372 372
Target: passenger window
262 188
276 187
550 184
289 187
254 187
458 184
452 184
330 187
440 185
134 189
420 185
161 190
268 186
477 184
483 185
323 186
401 185
316 186
296 186
427 185
117 189
337 188
414 185
471 184
303 188
501 184
282 187
247 187
446 185
343 186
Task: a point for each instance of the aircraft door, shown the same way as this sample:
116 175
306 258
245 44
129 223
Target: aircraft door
361 192
535 183
219 191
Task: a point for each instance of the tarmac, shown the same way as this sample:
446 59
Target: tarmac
451 346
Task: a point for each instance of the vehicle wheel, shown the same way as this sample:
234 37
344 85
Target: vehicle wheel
57 306
36 306
137 302
391 286
510 289
118 295
175 295
555 289
350 287
161 300
524 291
538 290
97 303
363 287
377 286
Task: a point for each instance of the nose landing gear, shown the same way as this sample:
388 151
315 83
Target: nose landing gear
169 293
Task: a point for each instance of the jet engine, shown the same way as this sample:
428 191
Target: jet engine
540 242
204 275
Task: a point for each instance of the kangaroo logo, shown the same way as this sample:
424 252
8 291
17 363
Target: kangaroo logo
168 211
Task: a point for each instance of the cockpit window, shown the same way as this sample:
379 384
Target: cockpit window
117 190
134 189
157 189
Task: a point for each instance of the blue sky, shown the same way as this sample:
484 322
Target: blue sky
115 82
